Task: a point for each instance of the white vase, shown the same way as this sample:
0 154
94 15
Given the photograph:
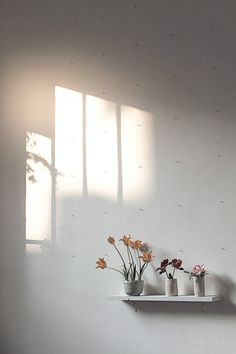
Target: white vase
171 287
198 286
133 288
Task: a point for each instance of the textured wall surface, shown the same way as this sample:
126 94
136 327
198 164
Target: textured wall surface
117 117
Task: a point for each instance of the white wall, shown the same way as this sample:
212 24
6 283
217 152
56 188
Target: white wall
170 65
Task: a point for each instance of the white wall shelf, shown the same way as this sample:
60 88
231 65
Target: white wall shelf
163 298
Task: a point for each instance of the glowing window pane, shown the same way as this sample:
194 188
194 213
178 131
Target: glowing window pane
137 154
68 141
101 139
38 187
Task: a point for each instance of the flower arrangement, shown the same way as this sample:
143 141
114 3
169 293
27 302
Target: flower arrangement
134 264
197 271
175 264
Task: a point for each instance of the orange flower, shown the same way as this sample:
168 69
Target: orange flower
147 257
126 240
101 263
111 240
136 244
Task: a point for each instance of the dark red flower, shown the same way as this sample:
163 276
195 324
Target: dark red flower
165 263
176 263
161 270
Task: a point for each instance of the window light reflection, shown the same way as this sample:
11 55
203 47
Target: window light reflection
38 191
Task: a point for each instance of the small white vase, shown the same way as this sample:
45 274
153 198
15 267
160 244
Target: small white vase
133 288
171 287
199 286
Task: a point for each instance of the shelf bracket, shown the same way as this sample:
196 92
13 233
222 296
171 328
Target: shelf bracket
134 303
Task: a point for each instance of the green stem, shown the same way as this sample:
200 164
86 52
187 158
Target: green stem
144 266
131 256
173 273
132 264
120 256
139 261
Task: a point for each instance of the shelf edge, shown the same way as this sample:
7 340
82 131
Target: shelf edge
163 298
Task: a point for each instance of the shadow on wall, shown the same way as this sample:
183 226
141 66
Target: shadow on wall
223 307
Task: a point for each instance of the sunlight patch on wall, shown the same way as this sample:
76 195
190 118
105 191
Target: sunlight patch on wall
101 147
38 191
69 141
137 154
102 150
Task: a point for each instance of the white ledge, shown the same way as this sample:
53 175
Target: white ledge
164 298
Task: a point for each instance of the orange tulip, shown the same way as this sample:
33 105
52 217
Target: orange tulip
101 263
126 240
147 257
136 244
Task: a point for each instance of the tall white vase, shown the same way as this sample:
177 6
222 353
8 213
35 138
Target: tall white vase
199 286
171 287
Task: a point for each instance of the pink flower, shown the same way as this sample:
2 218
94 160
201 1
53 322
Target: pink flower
199 270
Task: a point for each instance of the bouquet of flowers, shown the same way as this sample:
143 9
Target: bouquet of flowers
133 264
197 271
175 264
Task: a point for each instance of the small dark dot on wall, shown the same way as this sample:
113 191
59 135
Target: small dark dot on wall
73 216
104 92
135 6
137 85
181 251
72 62
73 256
136 44
219 155
172 34
221 201
140 166
223 249
104 132
179 205
174 76
139 125
103 54
176 118
141 209
213 67
106 212
217 110
212 23
177 161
